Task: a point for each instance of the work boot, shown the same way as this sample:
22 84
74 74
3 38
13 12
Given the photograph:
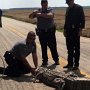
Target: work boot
57 63
44 64
68 66
75 68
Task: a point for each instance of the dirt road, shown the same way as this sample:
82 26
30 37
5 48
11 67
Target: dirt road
14 31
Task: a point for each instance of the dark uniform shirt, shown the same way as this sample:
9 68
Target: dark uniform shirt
22 49
45 23
75 17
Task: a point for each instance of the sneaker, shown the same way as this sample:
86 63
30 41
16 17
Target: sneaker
75 68
67 66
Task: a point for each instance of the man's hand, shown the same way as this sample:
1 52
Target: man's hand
33 14
64 33
80 32
33 71
44 15
38 14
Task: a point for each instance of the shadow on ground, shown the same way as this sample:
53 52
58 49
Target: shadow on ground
77 72
23 78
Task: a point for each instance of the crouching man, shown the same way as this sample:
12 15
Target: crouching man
16 57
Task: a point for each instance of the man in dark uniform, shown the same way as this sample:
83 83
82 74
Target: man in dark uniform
0 18
46 31
74 23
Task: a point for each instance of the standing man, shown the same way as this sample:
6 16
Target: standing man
0 18
74 23
16 57
46 31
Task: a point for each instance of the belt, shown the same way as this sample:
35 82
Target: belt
72 26
45 30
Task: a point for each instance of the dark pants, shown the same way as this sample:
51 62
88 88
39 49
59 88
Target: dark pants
47 38
15 67
73 46
0 21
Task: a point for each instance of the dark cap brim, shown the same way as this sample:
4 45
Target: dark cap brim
44 2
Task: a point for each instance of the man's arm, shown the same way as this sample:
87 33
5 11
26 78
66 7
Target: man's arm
45 15
64 32
82 20
25 62
35 59
34 56
33 14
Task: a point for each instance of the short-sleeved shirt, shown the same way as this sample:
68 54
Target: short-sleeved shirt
45 23
22 49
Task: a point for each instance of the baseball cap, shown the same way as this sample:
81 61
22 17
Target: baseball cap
68 1
44 1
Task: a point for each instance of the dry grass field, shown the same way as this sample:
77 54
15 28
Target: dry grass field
59 18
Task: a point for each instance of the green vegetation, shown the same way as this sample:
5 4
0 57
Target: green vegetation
60 30
22 14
